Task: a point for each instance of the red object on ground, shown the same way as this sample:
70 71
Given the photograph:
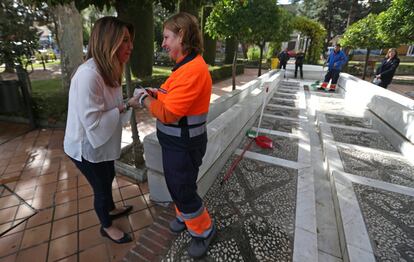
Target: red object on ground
264 142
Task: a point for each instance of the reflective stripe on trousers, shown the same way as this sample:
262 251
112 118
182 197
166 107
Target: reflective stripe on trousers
198 224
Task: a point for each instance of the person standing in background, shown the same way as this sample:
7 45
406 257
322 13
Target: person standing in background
181 106
300 56
93 129
336 60
385 72
283 58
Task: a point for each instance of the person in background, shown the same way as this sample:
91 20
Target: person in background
336 60
181 106
93 129
300 56
385 72
283 58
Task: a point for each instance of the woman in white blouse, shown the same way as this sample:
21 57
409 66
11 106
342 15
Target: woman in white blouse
93 128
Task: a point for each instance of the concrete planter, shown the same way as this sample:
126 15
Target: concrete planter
139 175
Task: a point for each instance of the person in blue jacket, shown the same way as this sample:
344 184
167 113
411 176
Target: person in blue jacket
336 61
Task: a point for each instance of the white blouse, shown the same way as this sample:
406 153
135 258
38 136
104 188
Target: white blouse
93 127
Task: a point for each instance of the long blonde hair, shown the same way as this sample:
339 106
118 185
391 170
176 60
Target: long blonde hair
106 37
392 50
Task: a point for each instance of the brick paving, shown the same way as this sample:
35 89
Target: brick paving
47 213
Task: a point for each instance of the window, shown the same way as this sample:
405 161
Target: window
410 51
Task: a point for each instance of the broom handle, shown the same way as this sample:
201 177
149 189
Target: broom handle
261 113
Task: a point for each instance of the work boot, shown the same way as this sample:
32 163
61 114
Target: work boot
177 226
199 246
323 86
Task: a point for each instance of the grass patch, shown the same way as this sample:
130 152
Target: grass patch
45 87
51 102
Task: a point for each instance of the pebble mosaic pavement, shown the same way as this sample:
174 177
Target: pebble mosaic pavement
390 220
388 216
254 210
367 139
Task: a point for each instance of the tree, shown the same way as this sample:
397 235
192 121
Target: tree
141 15
365 34
210 44
229 19
18 36
264 24
89 17
68 30
332 14
398 21
68 23
190 6
315 33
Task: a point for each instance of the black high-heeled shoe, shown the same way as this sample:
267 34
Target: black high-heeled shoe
122 213
125 239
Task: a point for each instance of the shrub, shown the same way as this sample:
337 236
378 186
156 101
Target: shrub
253 53
50 102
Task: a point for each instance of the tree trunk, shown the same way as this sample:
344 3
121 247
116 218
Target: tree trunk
69 34
141 15
190 6
8 57
366 63
352 12
210 44
137 147
260 58
245 48
229 51
306 49
233 71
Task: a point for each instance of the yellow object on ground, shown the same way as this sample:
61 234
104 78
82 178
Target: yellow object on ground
274 63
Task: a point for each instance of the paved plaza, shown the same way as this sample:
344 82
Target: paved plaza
332 179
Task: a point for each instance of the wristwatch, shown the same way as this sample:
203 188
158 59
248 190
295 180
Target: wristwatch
127 106
141 99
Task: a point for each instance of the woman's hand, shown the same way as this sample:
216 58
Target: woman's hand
152 91
133 101
121 108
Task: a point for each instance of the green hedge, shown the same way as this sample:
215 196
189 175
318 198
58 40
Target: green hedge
217 74
356 68
51 103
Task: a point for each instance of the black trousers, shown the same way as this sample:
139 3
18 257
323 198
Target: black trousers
384 84
282 65
301 70
100 176
332 74
181 170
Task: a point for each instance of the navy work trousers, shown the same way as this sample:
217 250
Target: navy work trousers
181 170
100 176
332 74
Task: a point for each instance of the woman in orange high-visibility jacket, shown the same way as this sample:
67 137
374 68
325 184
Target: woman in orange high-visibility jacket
181 106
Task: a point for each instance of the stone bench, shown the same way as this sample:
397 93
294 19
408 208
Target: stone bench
229 118
310 72
394 112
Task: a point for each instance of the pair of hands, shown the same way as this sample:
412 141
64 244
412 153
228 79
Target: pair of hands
139 93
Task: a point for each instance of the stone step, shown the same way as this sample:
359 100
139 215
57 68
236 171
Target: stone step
372 185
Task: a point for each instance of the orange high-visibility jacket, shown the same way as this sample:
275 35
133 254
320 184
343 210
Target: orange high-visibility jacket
186 92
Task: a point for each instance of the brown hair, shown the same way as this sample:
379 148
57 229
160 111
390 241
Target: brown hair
106 37
187 26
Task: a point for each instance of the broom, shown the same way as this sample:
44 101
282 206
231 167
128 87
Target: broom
261 141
